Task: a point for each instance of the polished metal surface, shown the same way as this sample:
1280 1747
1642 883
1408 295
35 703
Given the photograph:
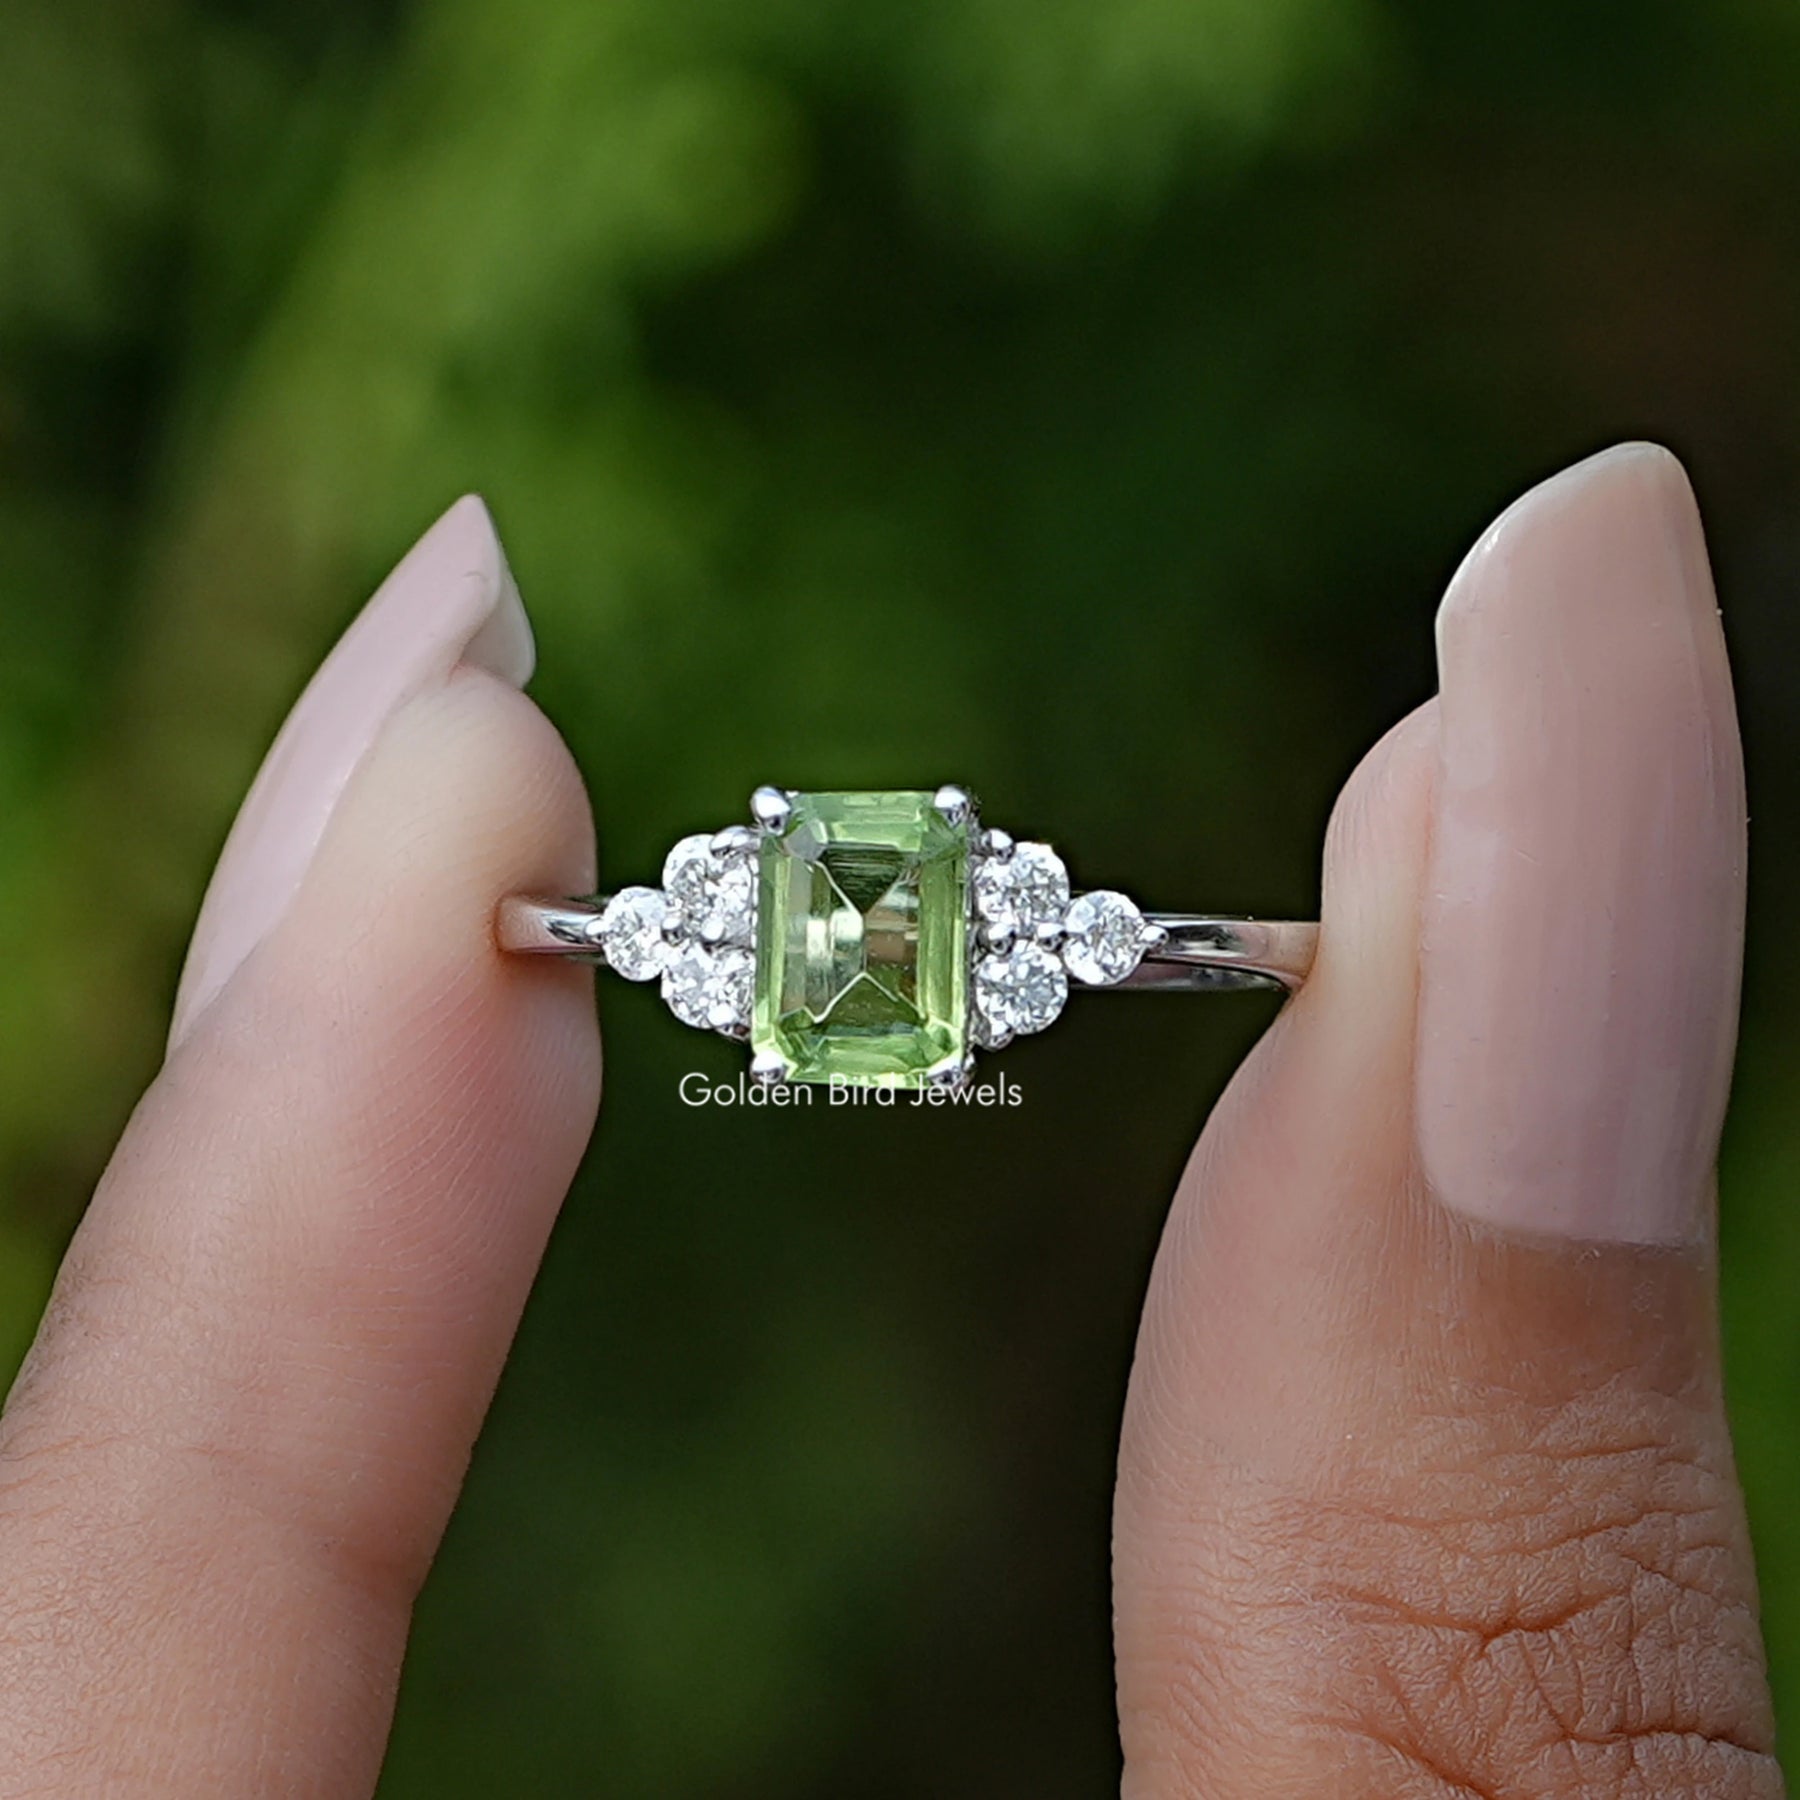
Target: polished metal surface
954 804
533 927
1206 955
771 807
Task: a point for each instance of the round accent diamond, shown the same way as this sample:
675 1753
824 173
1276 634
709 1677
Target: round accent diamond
685 869
1106 938
709 988
1025 890
630 932
714 891
1021 990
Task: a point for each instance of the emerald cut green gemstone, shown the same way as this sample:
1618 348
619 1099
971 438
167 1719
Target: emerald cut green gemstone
862 921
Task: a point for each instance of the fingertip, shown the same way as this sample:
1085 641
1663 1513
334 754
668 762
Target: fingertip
449 603
1635 475
504 643
472 795
1375 846
1354 1019
1583 933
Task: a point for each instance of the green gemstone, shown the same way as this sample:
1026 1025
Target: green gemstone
862 920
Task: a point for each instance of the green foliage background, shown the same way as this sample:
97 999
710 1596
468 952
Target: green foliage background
1084 401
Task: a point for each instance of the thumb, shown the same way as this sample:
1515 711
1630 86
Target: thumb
1425 1486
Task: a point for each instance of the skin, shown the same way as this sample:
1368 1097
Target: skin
1418 1498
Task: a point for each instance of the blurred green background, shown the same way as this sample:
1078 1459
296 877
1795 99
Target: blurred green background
1084 401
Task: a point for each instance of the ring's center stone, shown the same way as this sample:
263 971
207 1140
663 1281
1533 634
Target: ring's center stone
860 965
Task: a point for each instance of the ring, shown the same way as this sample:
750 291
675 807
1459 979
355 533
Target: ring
879 939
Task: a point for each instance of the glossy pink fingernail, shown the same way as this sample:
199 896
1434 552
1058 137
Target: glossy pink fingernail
1583 923
450 601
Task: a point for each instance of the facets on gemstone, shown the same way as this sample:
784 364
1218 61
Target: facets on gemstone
1019 990
707 988
685 871
1025 890
1105 938
732 919
630 932
714 891
862 934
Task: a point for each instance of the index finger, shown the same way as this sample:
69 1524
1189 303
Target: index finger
227 1463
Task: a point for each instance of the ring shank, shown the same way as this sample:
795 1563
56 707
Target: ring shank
530 926
1199 954
1211 954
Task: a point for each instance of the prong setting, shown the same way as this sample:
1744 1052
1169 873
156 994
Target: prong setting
768 1068
771 808
954 804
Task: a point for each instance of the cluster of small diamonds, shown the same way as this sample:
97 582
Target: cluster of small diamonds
695 932
1032 937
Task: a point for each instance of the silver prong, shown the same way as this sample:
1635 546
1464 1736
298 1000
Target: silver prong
1153 937
735 837
954 804
738 1030
997 843
1049 933
771 808
768 1068
996 936
955 1076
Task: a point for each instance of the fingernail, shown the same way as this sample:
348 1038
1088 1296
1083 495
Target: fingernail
450 602
1583 922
